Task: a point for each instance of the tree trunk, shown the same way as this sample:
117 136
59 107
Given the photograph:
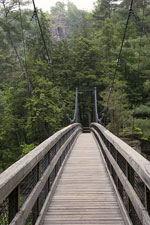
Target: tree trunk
23 69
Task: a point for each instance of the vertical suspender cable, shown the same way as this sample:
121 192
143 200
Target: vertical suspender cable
95 98
76 107
75 118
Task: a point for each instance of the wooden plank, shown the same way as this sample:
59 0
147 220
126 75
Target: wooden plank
84 194
86 222
138 206
12 176
137 161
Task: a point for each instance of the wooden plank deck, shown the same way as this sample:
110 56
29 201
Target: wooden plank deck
84 194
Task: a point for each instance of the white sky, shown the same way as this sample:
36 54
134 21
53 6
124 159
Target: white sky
81 4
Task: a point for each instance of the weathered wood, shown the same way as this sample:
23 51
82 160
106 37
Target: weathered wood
52 191
126 217
137 162
11 177
21 217
140 209
84 194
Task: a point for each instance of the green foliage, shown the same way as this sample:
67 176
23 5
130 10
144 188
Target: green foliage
132 132
142 111
26 148
118 112
58 8
144 125
74 16
35 102
147 86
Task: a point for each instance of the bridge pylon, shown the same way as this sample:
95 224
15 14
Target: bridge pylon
78 110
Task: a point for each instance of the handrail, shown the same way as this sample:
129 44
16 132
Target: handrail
24 183
130 172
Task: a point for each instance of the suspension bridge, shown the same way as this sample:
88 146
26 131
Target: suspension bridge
77 176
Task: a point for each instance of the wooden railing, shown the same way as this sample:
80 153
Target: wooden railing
130 172
27 186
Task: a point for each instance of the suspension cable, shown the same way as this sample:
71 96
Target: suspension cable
118 61
35 13
22 31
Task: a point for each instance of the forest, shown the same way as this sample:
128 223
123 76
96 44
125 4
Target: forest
44 57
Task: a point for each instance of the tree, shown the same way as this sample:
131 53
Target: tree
8 8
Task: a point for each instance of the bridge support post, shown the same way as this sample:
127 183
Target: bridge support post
49 159
95 98
127 200
36 208
147 199
13 204
76 106
75 118
35 211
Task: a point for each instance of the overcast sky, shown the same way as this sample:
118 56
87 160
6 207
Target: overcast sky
81 4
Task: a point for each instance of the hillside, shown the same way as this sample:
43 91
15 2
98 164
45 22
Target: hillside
65 20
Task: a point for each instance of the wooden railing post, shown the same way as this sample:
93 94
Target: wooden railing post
148 200
49 159
13 204
36 208
127 200
132 171
35 211
25 185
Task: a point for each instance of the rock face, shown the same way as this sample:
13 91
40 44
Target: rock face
59 28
